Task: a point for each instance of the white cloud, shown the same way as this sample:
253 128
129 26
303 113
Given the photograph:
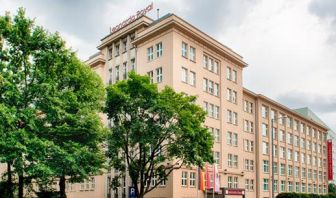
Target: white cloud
286 43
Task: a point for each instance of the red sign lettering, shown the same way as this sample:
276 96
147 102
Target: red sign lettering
132 18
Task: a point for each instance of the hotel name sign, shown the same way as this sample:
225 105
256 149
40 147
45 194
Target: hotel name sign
132 18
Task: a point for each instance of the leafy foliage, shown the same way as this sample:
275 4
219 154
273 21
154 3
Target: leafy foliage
49 104
154 132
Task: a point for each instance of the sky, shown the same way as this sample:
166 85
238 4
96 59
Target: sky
290 46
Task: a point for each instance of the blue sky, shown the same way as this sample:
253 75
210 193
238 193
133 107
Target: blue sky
290 46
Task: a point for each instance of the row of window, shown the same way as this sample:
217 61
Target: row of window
210 64
248 126
293 139
248 106
312 188
158 73
191 54
305 158
232 117
120 73
188 179
231 95
117 47
231 74
211 109
291 123
211 87
294 171
188 77
158 51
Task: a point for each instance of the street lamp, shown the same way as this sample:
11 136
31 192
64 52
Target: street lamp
272 144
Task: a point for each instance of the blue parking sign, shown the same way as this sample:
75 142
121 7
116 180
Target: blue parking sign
132 193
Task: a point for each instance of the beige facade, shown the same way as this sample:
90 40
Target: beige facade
175 53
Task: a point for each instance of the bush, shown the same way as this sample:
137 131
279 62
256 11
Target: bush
304 195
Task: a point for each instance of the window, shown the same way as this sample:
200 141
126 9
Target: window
264 130
282 152
230 183
275 150
151 76
117 48
282 186
282 136
248 106
235 118
289 154
205 61
216 133
133 64
273 113
229 116
235 182
159 75
216 157
232 138
234 97
296 171
211 87
125 70
184 178
290 186
184 75
282 169
216 112
233 161
192 180
228 73
150 55
275 168
88 184
117 73
110 52
290 170
110 76
265 148
216 67
248 145
184 49
266 166
124 45
264 111
275 185
159 49
303 187
192 54
234 75
216 89
249 165
192 78
266 187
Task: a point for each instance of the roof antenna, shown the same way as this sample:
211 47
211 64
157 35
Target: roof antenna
158 13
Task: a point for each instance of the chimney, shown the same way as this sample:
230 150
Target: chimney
158 13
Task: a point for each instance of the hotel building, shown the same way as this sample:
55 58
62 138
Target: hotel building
173 52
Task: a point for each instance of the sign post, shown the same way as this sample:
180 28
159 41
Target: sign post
131 192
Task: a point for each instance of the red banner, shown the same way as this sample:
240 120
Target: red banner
330 160
234 192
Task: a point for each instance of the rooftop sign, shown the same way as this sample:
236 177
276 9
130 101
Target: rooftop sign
132 18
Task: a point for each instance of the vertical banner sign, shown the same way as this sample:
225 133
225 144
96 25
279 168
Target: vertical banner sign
330 160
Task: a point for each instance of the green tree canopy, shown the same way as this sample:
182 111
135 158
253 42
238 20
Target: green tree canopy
154 132
49 102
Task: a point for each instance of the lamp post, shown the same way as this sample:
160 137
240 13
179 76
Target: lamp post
272 144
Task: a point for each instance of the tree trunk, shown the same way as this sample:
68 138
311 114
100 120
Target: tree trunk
9 180
21 186
62 187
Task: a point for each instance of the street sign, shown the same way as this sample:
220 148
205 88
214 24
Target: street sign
132 193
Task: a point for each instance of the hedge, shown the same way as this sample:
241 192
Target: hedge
304 195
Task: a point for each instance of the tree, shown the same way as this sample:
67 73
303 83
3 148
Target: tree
154 132
52 101
332 188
